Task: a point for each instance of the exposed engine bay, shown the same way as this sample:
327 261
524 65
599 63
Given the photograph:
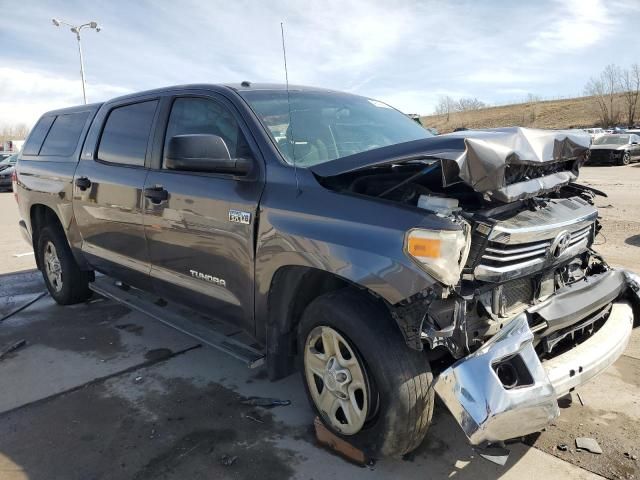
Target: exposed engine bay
529 237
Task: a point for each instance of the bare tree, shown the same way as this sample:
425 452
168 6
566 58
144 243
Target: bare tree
532 98
630 85
445 106
467 104
604 89
18 131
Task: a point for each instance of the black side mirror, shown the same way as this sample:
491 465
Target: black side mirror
203 153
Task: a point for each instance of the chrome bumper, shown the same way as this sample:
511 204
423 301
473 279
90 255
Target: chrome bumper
488 412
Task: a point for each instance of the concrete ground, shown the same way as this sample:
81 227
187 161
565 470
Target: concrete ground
100 392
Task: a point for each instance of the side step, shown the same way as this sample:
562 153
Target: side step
208 331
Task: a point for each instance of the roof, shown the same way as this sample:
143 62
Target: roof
236 87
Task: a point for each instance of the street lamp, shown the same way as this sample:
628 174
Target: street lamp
76 29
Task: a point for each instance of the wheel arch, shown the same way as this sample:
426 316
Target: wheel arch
293 288
41 215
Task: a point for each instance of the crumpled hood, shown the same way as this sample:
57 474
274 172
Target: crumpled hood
481 159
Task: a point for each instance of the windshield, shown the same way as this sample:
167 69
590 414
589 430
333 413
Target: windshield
612 140
329 125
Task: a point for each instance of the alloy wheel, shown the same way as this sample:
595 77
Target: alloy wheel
52 266
337 380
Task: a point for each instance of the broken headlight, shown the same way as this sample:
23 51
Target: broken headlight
442 253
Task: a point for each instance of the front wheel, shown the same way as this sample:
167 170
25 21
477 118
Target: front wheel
361 378
626 159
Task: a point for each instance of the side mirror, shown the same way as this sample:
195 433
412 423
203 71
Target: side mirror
203 153
634 143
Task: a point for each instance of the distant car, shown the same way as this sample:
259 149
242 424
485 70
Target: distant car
594 132
618 149
7 165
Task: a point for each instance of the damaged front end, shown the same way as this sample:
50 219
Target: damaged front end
523 310
504 390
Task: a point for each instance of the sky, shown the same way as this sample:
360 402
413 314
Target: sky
407 53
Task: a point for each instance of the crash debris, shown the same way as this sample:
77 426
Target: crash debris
588 444
265 402
12 348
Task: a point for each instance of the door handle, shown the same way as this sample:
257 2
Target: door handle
83 183
156 194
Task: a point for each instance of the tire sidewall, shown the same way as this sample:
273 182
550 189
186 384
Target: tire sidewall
381 350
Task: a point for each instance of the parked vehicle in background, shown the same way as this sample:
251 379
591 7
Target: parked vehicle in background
615 149
388 264
12 146
594 132
7 166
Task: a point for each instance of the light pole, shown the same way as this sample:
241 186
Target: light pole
76 29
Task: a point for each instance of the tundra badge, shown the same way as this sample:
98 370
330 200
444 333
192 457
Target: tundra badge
208 278
239 216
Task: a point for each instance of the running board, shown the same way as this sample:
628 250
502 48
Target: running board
211 332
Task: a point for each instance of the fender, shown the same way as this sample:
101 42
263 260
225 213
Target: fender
358 239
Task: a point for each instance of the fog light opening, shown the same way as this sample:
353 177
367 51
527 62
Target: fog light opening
512 372
507 375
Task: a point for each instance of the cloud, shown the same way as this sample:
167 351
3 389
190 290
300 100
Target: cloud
25 95
407 54
578 25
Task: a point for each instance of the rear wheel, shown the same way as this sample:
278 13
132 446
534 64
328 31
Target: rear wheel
361 378
66 283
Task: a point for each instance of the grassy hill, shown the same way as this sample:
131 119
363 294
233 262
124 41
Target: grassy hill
569 113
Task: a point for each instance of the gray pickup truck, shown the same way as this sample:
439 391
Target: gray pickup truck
384 263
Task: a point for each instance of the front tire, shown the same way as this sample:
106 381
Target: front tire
626 159
364 382
66 283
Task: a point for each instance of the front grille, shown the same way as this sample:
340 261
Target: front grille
603 155
521 255
504 249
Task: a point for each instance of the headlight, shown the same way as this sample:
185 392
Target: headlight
442 253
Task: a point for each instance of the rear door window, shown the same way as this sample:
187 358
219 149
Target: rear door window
64 134
126 134
32 147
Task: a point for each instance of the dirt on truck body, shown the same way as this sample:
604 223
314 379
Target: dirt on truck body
383 262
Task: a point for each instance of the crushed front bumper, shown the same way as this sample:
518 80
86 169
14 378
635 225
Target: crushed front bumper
488 412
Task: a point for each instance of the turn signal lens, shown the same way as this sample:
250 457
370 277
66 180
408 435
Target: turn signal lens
423 247
442 253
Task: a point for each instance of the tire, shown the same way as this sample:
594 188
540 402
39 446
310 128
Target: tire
397 398
626 159
66 283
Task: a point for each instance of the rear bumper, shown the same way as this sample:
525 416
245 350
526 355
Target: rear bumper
489 412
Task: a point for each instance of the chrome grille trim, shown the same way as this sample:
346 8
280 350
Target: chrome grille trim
520 253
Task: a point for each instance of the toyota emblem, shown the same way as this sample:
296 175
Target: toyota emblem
560 244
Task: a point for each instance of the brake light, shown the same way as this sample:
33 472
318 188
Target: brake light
14 183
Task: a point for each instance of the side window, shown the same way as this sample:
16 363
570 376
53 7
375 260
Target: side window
126 134
64 134
201 115
32 147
